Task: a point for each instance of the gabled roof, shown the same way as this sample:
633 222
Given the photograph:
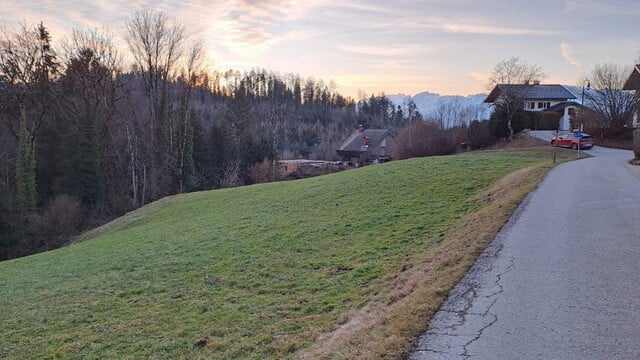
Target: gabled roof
531 92
559 107
633 83
355 143
562 105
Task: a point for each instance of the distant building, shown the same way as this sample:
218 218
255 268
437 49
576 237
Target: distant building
539 97
286 167
366 146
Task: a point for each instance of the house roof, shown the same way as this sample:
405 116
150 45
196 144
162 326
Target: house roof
633 83
560 106
531 92
355 143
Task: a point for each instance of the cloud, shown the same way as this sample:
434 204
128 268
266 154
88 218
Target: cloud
590 7
479 76
250 28
492 30
567 54
385 51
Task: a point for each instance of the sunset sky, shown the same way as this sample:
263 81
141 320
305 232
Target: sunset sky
443 46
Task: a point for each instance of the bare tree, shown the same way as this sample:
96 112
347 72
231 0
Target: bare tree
514 71
509 76
162 52
447 113
616 106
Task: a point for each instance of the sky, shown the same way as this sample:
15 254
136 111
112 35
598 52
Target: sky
368 46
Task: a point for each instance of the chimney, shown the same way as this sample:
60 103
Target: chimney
360 128
526 82
365 140
536 82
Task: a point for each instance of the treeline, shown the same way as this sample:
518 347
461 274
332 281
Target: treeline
85 139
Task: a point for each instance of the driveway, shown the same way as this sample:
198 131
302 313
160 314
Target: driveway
561 280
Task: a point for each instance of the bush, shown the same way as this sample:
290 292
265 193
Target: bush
10 225
498 125
479 134
538 120
264 172
63 217
423 139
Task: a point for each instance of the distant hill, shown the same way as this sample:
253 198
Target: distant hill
429 103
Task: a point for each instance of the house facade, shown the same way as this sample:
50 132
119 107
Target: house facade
539 97
366 146
573 115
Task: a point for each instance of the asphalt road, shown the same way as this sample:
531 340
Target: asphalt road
561 280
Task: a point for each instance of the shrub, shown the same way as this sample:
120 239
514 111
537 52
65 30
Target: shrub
263 172
479 134
423 139
10 225
63 217
539 120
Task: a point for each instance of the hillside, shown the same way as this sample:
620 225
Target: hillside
352 262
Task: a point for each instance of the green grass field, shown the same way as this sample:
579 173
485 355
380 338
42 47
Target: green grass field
260 271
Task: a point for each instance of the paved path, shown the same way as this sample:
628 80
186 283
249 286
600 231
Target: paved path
561 280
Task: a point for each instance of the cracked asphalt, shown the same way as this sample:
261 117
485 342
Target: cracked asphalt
562 278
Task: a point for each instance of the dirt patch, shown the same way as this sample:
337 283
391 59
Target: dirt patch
502 188
380 329
520 140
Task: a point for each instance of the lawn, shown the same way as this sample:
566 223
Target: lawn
275 270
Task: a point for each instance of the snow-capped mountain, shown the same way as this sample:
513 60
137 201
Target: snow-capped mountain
431 105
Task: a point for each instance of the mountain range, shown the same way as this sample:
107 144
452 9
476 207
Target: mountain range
431 104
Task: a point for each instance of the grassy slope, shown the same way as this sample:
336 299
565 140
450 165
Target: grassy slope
262 271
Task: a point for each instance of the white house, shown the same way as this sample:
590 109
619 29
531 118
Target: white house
538 97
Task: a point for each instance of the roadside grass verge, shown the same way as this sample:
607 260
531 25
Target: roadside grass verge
348 265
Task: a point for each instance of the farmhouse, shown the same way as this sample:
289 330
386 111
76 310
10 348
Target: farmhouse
539 97
366 146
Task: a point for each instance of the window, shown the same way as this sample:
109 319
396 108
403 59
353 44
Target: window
543 105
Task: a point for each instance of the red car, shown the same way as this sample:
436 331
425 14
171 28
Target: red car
571 141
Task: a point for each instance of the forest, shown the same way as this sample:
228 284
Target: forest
90 131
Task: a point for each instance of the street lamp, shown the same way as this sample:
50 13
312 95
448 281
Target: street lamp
586 81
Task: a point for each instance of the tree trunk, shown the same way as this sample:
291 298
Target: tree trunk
134 179
510 130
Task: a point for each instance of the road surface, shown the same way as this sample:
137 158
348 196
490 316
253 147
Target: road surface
561 280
